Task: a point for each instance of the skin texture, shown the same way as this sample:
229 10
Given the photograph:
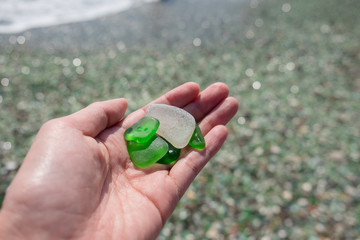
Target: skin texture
78 182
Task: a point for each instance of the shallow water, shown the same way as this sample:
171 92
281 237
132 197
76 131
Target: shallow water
20 15
160 23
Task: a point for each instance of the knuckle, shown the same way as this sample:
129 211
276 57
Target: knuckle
56 123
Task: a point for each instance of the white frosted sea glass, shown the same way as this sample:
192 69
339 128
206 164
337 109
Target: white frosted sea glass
176 125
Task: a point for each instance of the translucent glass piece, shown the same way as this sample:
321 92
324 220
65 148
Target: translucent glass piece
171 156
142 130
176 125
145 154
197 140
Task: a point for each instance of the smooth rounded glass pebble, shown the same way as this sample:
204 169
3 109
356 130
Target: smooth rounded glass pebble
171 156
176 125
142 130
197 140
145 154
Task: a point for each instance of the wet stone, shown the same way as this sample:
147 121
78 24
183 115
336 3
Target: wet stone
197 140
142 130
176 125
144 155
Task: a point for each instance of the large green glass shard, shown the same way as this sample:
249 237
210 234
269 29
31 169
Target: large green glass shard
145 154
142 130
171 156
197 139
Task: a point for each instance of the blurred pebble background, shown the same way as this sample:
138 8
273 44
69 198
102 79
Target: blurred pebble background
290 166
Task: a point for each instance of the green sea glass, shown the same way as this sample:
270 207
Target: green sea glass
171 156
159 136
197 139
145 154
143 130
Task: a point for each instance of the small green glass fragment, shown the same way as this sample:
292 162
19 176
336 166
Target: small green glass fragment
197 139
145 154
142 130
171 156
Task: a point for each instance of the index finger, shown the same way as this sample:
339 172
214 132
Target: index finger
179 96
98 116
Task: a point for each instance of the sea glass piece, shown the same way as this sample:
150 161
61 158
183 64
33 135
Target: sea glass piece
145 154
142 130
171 156
176 125
197 140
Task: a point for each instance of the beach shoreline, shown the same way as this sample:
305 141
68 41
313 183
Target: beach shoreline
157 24
289 167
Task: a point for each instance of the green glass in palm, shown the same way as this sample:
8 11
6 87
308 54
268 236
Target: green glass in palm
143 155
143 130
171 156
197 139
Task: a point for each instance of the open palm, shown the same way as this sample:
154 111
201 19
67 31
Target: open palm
78 182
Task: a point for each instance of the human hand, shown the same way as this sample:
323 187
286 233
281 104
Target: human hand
78 182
